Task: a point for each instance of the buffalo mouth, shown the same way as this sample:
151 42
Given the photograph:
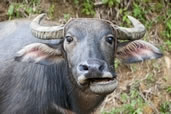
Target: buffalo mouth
99 85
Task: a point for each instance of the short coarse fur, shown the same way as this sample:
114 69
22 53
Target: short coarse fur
29 88
40 89
33 86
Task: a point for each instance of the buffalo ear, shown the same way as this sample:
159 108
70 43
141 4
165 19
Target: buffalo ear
40 53
137 51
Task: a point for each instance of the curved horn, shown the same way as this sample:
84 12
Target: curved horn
137 32
45 32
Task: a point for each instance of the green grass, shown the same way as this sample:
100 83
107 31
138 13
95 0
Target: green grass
165 107
166 33
132 103
67 17
23 9
117 63
51 11
111 3
88 8
168 89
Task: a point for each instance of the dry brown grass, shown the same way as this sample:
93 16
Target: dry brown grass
151 79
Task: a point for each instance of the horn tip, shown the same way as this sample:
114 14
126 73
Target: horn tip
131 18
42 15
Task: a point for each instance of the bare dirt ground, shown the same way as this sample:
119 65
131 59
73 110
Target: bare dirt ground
150 78
3 11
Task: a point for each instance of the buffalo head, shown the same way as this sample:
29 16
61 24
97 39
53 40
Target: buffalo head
89 46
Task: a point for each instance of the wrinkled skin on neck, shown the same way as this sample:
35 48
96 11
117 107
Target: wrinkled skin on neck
83 101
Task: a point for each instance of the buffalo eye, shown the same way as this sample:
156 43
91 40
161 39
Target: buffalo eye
69 39
109 39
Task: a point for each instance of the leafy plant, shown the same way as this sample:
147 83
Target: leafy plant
76 2
51 10
168 28
23 9
139 12
150 79
132 103
168 44
67 17
117 63
165 108
111 3
133 67
11 11
88 7
168 89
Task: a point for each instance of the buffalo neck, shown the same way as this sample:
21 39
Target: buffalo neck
45 89
83 101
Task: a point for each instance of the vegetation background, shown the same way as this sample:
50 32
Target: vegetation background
145 88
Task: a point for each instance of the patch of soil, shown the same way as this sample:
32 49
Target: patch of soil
154 88
3 10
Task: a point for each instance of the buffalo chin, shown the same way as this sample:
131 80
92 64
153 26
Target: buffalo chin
103 87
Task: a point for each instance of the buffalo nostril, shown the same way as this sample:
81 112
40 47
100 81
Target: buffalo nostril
83 67
101 68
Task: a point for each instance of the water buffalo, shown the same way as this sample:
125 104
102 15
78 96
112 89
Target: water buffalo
65 69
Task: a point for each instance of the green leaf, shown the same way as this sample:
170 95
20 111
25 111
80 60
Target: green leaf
11 10
105 1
